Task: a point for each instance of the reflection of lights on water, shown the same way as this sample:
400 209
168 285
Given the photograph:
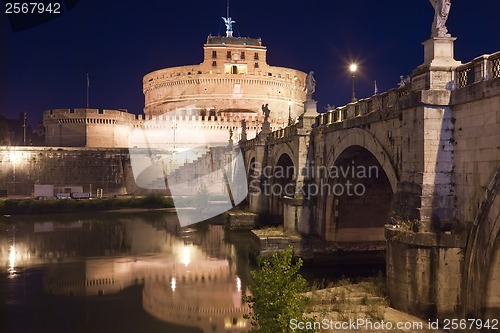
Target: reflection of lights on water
173 283
12 257
186 255
238 283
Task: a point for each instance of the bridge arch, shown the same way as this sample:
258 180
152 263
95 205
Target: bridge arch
249 157
284 148
359 198
482 258
281 183
251 165
362 138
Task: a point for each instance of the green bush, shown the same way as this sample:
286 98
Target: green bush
277 294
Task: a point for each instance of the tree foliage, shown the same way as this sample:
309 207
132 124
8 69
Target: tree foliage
277 293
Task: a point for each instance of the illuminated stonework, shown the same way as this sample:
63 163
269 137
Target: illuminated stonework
232 84
234 80
88 127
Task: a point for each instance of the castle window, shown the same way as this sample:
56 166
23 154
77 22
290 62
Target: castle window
234 70
214 63
228 54
256 56
214 54
242 55
256 65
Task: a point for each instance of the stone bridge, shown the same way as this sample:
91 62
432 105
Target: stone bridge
416 168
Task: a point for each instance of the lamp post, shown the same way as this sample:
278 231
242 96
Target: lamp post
24 128
174 127
290 122
353 68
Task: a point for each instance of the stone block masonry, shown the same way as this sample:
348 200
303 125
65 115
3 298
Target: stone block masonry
23 167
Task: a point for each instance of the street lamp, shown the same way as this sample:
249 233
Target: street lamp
174 127
353 68
290 113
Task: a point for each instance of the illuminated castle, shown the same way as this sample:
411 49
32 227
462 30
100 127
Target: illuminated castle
230 85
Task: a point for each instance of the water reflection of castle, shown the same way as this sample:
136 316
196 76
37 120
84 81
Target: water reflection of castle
188 278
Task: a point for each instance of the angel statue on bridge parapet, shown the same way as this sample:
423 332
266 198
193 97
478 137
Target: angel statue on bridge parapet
310 87
266 112
441 11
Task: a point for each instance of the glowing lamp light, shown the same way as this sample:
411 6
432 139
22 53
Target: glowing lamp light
353 68
12 257
15 157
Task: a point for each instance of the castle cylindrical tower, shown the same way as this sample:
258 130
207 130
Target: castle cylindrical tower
234 80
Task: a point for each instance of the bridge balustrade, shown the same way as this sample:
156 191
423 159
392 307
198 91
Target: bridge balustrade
480 69
250 144
494 65
365 106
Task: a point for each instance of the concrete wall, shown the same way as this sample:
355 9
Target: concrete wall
476 112
22 167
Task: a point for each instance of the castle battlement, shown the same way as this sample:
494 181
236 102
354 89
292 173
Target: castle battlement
111 128
84 115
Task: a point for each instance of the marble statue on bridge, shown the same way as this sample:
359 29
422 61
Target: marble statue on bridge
266 112
441 11
310 87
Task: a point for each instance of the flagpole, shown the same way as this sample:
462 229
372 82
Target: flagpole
88 86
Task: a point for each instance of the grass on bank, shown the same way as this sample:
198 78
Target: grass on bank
344 299
274 232
33 206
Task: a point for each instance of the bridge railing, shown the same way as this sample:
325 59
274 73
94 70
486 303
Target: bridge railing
480 69
249 144
284 132
363 107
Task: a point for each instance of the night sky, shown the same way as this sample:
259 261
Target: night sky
118 42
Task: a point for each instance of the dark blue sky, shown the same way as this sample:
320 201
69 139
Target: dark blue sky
118 42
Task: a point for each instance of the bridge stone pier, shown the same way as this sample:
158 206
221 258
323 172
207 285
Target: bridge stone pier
415 169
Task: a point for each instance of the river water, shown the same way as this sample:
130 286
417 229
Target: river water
134 272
